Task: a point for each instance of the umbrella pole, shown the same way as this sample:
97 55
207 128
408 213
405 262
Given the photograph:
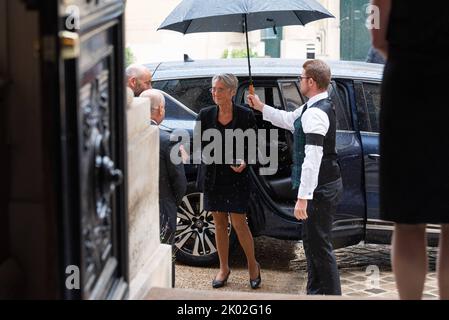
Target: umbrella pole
251 85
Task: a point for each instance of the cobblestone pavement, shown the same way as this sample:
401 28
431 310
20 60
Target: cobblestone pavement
365 271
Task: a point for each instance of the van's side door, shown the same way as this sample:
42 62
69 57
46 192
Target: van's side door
349 221
368 107
348 225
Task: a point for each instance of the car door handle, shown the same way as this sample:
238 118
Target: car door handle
374 156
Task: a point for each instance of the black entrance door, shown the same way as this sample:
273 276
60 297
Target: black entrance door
83 75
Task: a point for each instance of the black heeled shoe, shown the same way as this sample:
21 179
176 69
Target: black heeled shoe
256 282
220 283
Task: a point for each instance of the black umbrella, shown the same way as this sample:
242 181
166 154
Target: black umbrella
192 16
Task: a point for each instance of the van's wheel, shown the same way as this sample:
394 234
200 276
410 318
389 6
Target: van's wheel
195 233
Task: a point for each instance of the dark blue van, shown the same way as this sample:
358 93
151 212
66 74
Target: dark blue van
355 91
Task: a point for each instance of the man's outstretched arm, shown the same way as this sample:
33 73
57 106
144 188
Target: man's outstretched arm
279 118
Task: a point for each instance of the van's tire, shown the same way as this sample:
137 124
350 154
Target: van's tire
195 233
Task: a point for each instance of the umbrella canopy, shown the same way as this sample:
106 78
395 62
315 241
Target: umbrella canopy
194 16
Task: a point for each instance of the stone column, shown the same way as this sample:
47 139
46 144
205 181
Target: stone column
149 260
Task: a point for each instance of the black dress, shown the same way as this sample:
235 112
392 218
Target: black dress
414 118
224 189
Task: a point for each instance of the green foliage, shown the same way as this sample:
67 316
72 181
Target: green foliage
130 58
238 53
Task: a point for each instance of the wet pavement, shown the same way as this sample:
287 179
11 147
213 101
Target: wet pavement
365 271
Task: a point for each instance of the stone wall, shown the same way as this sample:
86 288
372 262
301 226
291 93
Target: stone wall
149 260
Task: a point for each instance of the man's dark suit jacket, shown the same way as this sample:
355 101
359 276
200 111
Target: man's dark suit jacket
172 188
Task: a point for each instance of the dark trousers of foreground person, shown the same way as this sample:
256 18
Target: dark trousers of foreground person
322 269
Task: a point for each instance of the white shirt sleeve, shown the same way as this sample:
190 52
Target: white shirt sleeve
315 121
280 118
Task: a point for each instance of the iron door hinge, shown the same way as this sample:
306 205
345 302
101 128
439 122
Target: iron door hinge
70 45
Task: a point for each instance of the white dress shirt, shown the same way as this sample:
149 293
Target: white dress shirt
314 120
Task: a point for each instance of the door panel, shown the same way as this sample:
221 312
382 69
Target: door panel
348 149
368 107
85 71
270 202
277 191
351 209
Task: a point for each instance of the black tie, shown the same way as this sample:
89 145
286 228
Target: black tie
304 109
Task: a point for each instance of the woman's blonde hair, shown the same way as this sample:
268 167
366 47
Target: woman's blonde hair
229 80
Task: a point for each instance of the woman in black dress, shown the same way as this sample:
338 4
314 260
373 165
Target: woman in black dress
414 171
226 180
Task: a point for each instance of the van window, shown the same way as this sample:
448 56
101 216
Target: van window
339 97
194 93
270 95
292 98
337 93
372 97
368 105
175 111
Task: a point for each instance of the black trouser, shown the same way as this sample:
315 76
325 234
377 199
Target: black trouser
322 270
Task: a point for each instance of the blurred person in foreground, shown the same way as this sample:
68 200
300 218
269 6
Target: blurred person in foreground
414 174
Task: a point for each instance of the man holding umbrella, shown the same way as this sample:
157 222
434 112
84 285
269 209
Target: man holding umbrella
315 172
